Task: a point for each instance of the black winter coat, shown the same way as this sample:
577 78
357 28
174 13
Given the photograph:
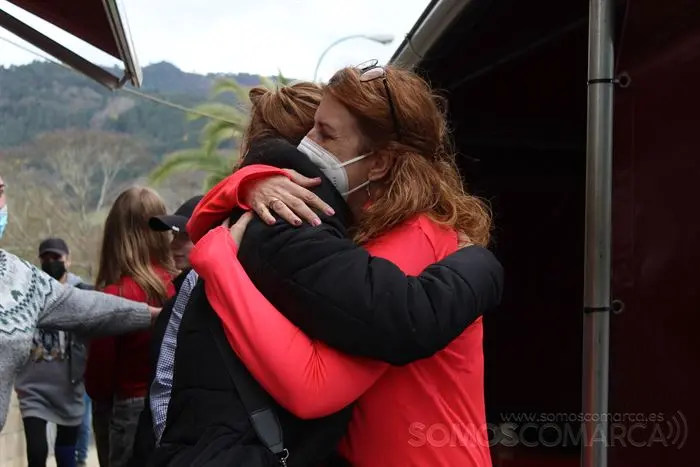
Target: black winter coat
337 293
207 424
145 440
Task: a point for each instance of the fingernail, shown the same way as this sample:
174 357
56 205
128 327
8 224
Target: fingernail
297 222
316 222
330 212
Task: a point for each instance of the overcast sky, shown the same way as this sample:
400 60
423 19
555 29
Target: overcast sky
254 36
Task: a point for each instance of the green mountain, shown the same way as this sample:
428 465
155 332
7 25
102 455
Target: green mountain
42 97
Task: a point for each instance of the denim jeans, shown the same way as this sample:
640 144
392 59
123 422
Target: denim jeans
122 430
83 444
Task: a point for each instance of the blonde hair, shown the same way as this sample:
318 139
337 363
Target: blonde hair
131 248
287 112
424 178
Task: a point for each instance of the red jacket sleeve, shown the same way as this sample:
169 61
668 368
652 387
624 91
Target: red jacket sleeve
218 203
307 377
100 368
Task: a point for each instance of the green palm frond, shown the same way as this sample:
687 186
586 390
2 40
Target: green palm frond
268 83
228 123
212 179
281 78
229 85
222 111
275 82
216 132
192 160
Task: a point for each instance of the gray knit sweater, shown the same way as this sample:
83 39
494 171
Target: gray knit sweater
30 299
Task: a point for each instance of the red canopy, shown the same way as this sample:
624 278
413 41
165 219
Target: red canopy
97 22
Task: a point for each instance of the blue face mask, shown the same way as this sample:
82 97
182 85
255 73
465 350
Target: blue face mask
3 219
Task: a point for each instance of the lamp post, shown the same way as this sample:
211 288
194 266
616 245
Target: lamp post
383 39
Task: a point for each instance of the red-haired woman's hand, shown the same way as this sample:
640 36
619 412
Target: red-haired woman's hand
289 198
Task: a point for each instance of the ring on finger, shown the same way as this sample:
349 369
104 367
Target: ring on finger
271 203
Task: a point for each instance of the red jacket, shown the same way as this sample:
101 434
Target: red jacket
218 203
428 413
118 367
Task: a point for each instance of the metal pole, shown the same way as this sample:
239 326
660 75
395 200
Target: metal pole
333 44
597 300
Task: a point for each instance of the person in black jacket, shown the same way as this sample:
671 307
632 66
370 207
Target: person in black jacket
418 318
145 440
333 290
196 407
207 422
306 272
380 313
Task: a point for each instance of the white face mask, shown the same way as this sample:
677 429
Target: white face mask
3 219
331 166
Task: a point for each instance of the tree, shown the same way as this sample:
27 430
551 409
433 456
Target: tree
61 184
227 125
88 165
38 210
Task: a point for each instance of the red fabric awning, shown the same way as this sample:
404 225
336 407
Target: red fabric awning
97 22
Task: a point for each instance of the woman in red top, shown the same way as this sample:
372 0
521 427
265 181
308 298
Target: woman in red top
135 263
430 412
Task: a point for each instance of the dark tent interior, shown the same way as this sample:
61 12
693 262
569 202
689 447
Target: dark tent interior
515 75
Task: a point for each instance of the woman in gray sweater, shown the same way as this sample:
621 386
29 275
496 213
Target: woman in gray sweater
30 300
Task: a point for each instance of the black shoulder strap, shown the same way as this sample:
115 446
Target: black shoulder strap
256 401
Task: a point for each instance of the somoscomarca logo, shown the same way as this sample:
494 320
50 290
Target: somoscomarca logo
558 430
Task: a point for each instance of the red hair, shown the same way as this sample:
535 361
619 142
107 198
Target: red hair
424 177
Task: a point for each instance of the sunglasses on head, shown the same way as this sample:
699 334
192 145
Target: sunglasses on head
371 70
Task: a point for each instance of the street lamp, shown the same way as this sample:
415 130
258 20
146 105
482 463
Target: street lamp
383 39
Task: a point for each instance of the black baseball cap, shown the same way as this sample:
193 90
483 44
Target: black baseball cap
53 245
178 220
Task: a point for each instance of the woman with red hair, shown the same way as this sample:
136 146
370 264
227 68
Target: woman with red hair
380 138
